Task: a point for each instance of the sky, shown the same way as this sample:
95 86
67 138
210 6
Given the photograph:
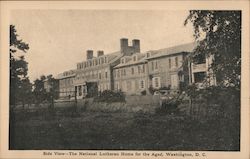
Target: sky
58 39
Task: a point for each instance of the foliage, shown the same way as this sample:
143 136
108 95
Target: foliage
144 92
152 90
110 96
53 86
20 86
170 105
39 90
165 88
218 35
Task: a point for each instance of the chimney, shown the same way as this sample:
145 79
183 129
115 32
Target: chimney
136 45
89 54
100 53
124 45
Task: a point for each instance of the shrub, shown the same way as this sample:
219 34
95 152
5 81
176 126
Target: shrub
169 106
109 96
143 92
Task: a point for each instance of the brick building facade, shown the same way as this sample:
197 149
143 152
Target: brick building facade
130 71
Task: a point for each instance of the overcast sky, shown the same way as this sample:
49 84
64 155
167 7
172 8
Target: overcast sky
58 39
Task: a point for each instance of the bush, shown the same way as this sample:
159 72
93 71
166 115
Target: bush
169 106
143 92
109 96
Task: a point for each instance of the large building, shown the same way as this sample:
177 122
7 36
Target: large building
158 69
66 87
95 74
133 72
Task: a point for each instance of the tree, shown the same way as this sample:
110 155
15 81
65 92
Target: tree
218 35
25 92
18 68
39 90
20 86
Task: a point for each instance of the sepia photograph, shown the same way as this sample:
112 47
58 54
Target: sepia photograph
120 80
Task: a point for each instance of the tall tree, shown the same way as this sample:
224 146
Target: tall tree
20 85
18 67
218 34
39 90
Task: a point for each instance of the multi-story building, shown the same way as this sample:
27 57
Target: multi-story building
153 69
168 67
95 74
66 87
132 72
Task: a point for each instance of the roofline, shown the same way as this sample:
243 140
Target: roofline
183 52
65 77
130 64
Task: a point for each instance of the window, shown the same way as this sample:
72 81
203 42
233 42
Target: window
156 64
139 69
152 65
132 70
124 72
169 63
199 77
142 86
118 73
143 68
105 59
156 82
176 61
106 74
100 75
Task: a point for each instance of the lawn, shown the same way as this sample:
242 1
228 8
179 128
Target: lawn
38 130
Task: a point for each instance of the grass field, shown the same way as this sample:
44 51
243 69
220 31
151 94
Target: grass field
37 130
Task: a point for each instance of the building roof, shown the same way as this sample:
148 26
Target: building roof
189 47
112 57
66 74
141 58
